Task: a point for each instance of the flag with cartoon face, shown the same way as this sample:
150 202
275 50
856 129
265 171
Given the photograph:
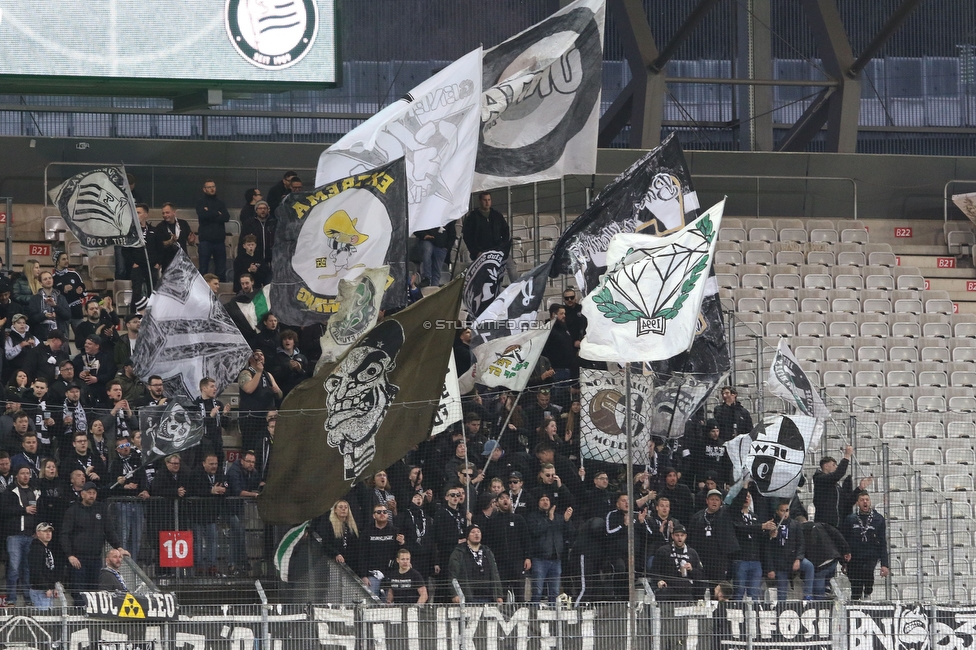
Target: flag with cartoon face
98 208
362 413
334 233
169 429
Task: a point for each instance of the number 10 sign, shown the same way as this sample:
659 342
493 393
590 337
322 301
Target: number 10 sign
175 548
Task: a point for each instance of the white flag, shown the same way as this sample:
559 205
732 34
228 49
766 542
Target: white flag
449 410
435 127
359 308
787 380
509 361
646 307
540 110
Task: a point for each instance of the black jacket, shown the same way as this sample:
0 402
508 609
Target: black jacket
159 252
13 508
865 534
732 420
823 543
43 564
830 498
788 546
212 214
86 529
678 587
482 233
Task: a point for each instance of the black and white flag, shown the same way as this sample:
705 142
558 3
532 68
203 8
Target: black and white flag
787 380
98 208
654 197
169 428
514 308
540 109
483 282
773 453
676 401
187 335
602 423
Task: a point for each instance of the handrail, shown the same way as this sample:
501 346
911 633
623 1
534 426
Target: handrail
153 167
759 178
945 195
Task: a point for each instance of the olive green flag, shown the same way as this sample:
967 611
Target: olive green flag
362 413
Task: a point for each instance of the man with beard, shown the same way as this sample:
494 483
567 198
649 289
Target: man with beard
28 456
212 215
91 325
59 386
136 258
155 393
130 481
259 393
680 497
539 409
575 320
262 226
506 534
449 528
87 527
785 554
279 190
94 369
598 500
214 412
36 406
711 533
473 566
709 457
732 417
864 531
380 541
126 344
6 477
169 235
18 507
84 459
677 573
562 352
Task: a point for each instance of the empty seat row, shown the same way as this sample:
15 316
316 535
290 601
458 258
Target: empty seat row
798 259
770 234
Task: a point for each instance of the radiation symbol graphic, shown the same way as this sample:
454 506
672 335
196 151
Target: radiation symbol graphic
131 608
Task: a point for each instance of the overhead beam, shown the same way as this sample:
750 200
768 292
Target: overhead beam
691 22
891 26
646 89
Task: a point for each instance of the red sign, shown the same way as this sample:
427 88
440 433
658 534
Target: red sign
903 232
232 455
946 262
39 250
897 260
3 217
175 548
955 308
970 285
926 284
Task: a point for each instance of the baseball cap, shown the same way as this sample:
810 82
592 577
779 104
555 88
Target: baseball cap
717 493
89 486
490 447
43 526
678 528
133 316
517 475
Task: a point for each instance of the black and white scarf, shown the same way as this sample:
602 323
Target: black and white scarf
76 411
680 555
864 524
421 526
48 558
478 557
748 519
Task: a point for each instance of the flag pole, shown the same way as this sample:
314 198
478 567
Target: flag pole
631 622
504 426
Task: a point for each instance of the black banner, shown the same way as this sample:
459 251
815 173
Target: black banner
126 606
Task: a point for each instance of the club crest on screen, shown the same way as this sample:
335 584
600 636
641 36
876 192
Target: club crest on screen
272 34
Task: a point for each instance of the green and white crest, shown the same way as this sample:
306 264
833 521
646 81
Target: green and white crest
652 291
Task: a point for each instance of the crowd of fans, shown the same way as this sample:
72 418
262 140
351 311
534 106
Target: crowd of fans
501 497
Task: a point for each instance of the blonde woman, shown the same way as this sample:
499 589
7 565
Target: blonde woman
26 285
340 535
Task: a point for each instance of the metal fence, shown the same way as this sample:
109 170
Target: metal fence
705 625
